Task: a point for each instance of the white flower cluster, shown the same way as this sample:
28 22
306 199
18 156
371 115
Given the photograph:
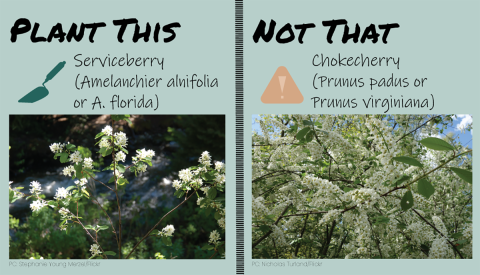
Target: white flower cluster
65 214
439 249
69 170
57 147
468 232
62 193
221 222
185 175
117 174
219 166
205 158
439 225
88 163
167 231
121 139
120 156
214 237
95 249
278 236
421 233
104 143
76 157
82 183
141 154
330 216
364 197
36 188
37 205
107 130
382 138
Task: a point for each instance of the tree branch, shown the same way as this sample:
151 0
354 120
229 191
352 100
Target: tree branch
144 237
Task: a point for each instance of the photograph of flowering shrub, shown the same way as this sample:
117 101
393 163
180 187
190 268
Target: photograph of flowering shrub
362 187
117 187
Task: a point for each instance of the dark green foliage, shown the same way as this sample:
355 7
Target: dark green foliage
41 235
194 135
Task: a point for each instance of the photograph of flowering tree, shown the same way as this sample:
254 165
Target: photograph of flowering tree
117 187
362 187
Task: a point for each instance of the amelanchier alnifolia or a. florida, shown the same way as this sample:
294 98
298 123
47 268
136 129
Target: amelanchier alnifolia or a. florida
360 186
200 178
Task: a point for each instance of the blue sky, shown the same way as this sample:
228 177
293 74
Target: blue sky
458 123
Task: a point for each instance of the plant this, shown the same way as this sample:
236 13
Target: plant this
360 186
205 179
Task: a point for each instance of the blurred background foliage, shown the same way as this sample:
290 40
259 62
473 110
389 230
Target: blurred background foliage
178 140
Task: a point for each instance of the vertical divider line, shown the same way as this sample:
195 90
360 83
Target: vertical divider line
239 140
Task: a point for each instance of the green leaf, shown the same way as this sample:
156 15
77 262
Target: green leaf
407 201
180 193
425 188
167 241
122 181
380 219
272 216
265 228
70 147
402 179
309 136
208 211
70 187
107 152
103 227
78 170
89 227
110 253
204 201
217 216
120 168
408 160
208 247
212 193
102 150
308 122
11 195
155 232
86 192
209 177
347 189
461 241
301 134
463 174
124 150
457 235
436 144
425 248
63 157
99 135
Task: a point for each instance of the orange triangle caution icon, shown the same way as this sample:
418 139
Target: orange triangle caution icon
282 89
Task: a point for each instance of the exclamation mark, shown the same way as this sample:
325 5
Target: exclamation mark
282 83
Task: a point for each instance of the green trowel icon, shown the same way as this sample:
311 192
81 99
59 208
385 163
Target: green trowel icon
41 92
